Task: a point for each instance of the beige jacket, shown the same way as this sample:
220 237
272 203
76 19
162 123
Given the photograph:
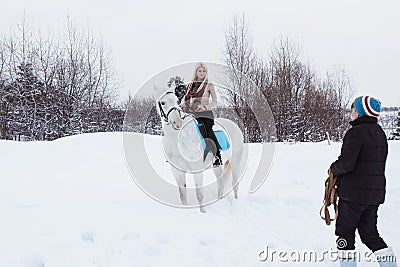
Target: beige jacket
205 99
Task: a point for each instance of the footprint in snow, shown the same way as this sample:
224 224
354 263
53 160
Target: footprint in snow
87 236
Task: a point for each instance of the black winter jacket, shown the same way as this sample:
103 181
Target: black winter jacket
361 164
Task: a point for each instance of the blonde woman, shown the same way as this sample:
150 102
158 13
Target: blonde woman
197 101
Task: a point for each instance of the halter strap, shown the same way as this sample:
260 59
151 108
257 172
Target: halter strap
169 111
165 115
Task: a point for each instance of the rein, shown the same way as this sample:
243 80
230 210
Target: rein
330 198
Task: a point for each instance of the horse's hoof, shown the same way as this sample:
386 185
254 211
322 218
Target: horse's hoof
202 210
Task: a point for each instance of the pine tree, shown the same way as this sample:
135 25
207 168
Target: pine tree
180 87
27 112
153 123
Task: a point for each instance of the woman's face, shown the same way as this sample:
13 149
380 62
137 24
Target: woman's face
201 73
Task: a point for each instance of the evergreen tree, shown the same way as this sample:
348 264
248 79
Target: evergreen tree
153 123
27 113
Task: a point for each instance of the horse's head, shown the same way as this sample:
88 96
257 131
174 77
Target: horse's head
169 109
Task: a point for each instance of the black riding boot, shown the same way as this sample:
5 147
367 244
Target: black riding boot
216 149
211 140
217 159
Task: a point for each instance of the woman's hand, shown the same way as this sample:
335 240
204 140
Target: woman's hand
201 108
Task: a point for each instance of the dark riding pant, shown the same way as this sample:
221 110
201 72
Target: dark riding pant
207 119
363 217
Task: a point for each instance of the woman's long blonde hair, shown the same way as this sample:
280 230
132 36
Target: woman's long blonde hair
194 78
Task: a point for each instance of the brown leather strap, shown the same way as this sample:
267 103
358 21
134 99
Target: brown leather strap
330 198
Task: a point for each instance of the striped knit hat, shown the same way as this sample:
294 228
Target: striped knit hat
367 106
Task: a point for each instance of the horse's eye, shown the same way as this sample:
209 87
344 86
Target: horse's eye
163 103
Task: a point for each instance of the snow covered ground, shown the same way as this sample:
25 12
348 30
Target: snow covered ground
72 202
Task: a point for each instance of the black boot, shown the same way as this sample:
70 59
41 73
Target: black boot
217 160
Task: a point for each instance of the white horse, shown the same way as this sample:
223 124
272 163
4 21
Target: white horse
182 146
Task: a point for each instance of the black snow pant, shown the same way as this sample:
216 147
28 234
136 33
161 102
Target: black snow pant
362 217
207 119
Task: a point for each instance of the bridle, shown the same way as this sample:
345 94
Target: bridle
164 115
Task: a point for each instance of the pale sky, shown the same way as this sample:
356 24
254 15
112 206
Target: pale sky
146 37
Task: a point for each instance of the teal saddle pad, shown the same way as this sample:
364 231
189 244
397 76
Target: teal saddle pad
221 137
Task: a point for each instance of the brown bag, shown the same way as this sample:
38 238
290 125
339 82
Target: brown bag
330 198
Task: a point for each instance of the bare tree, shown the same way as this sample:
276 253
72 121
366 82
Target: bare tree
142 115
338 81
304 107
395 135
241 58
56 87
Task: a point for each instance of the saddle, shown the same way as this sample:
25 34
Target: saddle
330 198
220 134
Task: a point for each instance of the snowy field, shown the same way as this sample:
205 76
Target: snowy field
72 202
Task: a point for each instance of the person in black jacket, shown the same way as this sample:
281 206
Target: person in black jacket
361 188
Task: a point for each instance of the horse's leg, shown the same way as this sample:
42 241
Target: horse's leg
220 180
198 180
234 166
235 178
180 178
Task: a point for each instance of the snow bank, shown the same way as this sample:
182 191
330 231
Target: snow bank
72 202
